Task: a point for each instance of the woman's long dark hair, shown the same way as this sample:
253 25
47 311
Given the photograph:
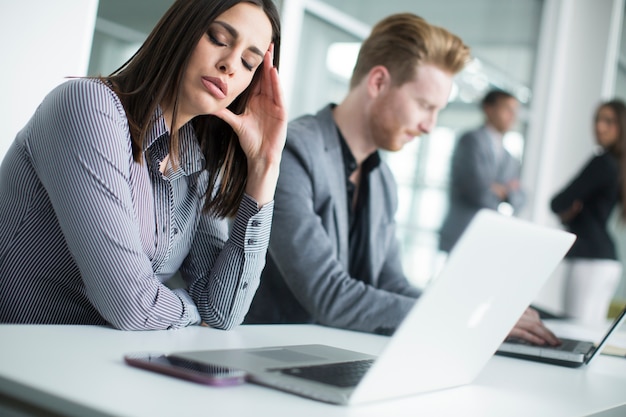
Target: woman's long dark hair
619 147
154 74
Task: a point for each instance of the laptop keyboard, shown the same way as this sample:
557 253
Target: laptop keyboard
342 374
567 345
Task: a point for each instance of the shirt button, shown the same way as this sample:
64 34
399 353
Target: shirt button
251 241
256 223
244 285
175 231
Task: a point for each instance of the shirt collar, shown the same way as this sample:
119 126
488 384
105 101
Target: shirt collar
493 133
157 129
157 146
349 161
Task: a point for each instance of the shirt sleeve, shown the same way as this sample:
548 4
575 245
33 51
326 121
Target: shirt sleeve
593 176
192 310
83 159
223 269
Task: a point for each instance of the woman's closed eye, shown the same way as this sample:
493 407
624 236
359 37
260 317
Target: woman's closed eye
214 39
221 41
246 65
251 60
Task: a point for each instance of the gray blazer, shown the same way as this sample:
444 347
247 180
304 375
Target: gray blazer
473 170
306 278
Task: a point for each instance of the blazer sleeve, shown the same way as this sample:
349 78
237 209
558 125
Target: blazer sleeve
384 242
303 246
517 197
473 172
392 277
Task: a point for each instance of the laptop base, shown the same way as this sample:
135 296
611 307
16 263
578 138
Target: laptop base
534 358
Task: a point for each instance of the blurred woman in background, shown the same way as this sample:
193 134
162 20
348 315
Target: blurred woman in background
584 206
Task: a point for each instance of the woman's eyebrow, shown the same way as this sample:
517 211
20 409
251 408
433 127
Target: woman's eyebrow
235 34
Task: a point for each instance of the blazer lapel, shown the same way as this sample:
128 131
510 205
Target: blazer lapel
378 232
334 166
485 142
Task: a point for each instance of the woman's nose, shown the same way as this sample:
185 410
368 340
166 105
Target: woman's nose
226 65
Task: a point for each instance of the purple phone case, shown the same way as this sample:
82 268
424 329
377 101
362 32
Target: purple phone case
209 375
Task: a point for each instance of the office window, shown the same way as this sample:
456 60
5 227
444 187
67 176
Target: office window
326 56
121 27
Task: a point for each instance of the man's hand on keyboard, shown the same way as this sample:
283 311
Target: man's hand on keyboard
531 328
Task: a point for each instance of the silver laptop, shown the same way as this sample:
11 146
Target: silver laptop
494 272
572 352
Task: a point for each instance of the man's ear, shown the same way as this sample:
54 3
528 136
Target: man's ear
378 79
488 110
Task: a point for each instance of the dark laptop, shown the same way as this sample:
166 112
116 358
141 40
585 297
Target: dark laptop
571 352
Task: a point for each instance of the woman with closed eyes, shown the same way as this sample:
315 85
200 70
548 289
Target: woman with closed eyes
167 165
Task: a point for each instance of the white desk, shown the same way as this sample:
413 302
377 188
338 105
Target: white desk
78 371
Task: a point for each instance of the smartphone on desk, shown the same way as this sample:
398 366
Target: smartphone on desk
201 373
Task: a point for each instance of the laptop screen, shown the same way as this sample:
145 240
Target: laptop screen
616 323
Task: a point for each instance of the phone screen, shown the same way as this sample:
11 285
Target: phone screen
186 369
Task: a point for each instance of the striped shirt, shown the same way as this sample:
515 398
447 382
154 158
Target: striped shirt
89 236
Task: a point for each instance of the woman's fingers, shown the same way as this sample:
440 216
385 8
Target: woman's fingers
231 118
262 126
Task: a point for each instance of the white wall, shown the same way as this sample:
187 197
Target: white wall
43 41
575 70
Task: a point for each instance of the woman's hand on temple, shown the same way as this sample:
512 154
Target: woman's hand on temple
262 130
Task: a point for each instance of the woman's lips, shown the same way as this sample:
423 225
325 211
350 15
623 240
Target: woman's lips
215 86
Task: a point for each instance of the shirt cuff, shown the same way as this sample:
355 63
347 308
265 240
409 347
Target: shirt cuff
190 310
252 226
